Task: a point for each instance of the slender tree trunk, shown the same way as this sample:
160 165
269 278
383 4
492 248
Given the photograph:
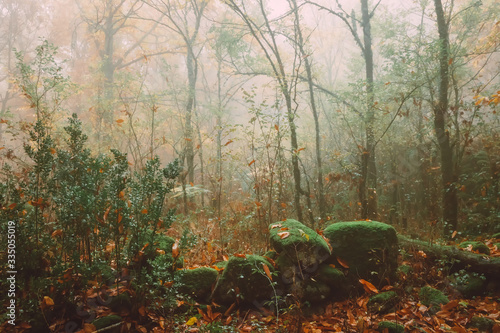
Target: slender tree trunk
369 205
448 174
191 67
307 65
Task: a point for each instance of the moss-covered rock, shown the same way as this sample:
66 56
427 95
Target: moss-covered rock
383 302
432 298
496 236
299 243
245 280
107 321
314 291
271 255
196 282
470 285
221 264
476 246
120 302
390 327
334 278
482 324
369 248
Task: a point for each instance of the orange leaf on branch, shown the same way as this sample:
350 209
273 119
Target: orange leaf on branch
268 272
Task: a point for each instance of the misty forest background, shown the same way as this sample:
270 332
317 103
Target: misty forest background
209 120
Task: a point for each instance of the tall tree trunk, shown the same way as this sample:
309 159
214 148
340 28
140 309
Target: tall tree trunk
369 168
307 65
448 174
192 75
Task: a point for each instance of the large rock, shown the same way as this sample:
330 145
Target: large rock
301 245
197 282
244 280
368 248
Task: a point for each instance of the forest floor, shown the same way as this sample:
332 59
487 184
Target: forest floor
351 315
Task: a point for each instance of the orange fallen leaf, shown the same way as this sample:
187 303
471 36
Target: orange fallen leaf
370 288
284 234
342 263
276 226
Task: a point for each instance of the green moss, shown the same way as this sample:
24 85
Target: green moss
369 248
391 327
405 269
221 264
471 285
315 291
107 321
476 246
333 278
271 254
383 302
496 236
482 324
120 302
432 297
302 244
196 282
244 279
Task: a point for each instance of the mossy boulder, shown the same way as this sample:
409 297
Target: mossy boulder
334 278
221 264
244 280
471 285
432 298
302 245
312 291
482 324
271 255
383 302
476 246
107 321
496 236
369 248
120 302
197 282
390 327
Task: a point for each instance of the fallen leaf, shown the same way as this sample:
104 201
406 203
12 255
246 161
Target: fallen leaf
368 286
284 234
342 263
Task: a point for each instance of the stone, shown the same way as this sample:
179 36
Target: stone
390 327
244 280
482 324
432 298
369 248
383 302
107 321
299 242
197 282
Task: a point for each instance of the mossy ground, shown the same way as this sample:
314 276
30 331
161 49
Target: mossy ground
476 246
432 297
383 302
